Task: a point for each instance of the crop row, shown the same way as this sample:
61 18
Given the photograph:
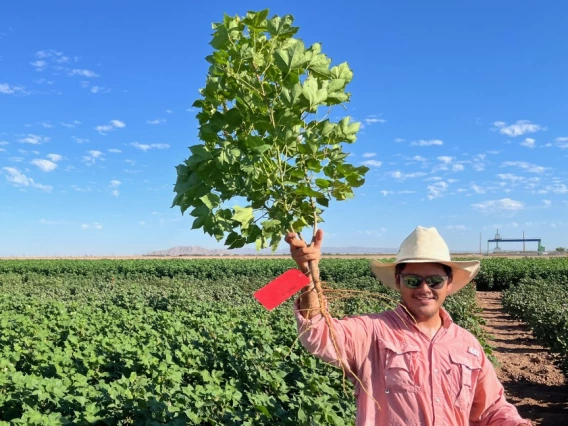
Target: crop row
543 305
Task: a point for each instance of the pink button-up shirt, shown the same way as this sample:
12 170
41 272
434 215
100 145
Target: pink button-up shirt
444 381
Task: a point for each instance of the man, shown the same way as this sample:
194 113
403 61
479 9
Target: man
413 365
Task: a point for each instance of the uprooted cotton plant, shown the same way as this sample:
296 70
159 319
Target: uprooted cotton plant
267 137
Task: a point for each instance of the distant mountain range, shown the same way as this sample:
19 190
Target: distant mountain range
200 251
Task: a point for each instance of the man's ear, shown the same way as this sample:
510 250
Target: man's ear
450 282
397 281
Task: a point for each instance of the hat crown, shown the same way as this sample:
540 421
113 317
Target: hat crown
424 243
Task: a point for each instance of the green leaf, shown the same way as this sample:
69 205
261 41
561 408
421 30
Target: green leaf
243 215
311 92
342 71
210 200
291 58
200 151
281 26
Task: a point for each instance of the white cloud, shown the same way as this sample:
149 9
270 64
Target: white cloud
423 142
80 140
79 189
399 175
114 124
52 222
92 157
457 167
115 151
99 89
46 125
524 165
34 139
504 204
43 81
437 190
418 158
372 163
83 73
385 193
547 203
169 111
74 123
399 140
6 89
115 183
477 189
456 227
95 225
44 165
520 128
511 177
145 147
115 193
17 178
562 142
557 188
369 155
4 143
374 232
39 65
372 119
157 121
54 157
528 142
445 159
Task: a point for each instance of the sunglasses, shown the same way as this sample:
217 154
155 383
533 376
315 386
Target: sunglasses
435 282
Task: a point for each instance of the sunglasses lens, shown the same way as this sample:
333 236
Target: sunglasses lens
412 281
435 281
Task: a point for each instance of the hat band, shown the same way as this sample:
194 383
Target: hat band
428 259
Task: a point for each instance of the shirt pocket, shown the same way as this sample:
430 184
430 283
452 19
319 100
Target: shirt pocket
399 367
468 370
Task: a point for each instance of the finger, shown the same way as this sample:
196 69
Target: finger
290 236
318 239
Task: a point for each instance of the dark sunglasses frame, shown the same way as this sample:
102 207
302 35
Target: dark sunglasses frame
432 281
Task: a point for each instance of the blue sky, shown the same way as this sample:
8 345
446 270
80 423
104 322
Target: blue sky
463 108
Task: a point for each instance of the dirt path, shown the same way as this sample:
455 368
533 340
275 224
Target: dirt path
532 382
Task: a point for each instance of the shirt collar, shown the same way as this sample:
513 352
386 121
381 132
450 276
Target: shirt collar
447 320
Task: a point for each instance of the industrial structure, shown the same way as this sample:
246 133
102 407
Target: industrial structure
524 240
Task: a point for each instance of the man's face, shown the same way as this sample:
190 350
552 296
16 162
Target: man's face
423 302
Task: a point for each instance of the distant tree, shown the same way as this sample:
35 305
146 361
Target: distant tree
560 249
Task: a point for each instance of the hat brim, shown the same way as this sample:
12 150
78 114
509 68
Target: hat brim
462 271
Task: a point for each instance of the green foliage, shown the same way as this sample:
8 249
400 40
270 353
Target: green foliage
501 273
118 342
560 249
543 305
267 137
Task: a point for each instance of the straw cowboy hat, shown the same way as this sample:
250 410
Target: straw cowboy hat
425 245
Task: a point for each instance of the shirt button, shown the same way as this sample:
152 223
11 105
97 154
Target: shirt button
436 371
437 399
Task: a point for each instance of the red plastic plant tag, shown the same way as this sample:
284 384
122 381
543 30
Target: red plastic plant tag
281 288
